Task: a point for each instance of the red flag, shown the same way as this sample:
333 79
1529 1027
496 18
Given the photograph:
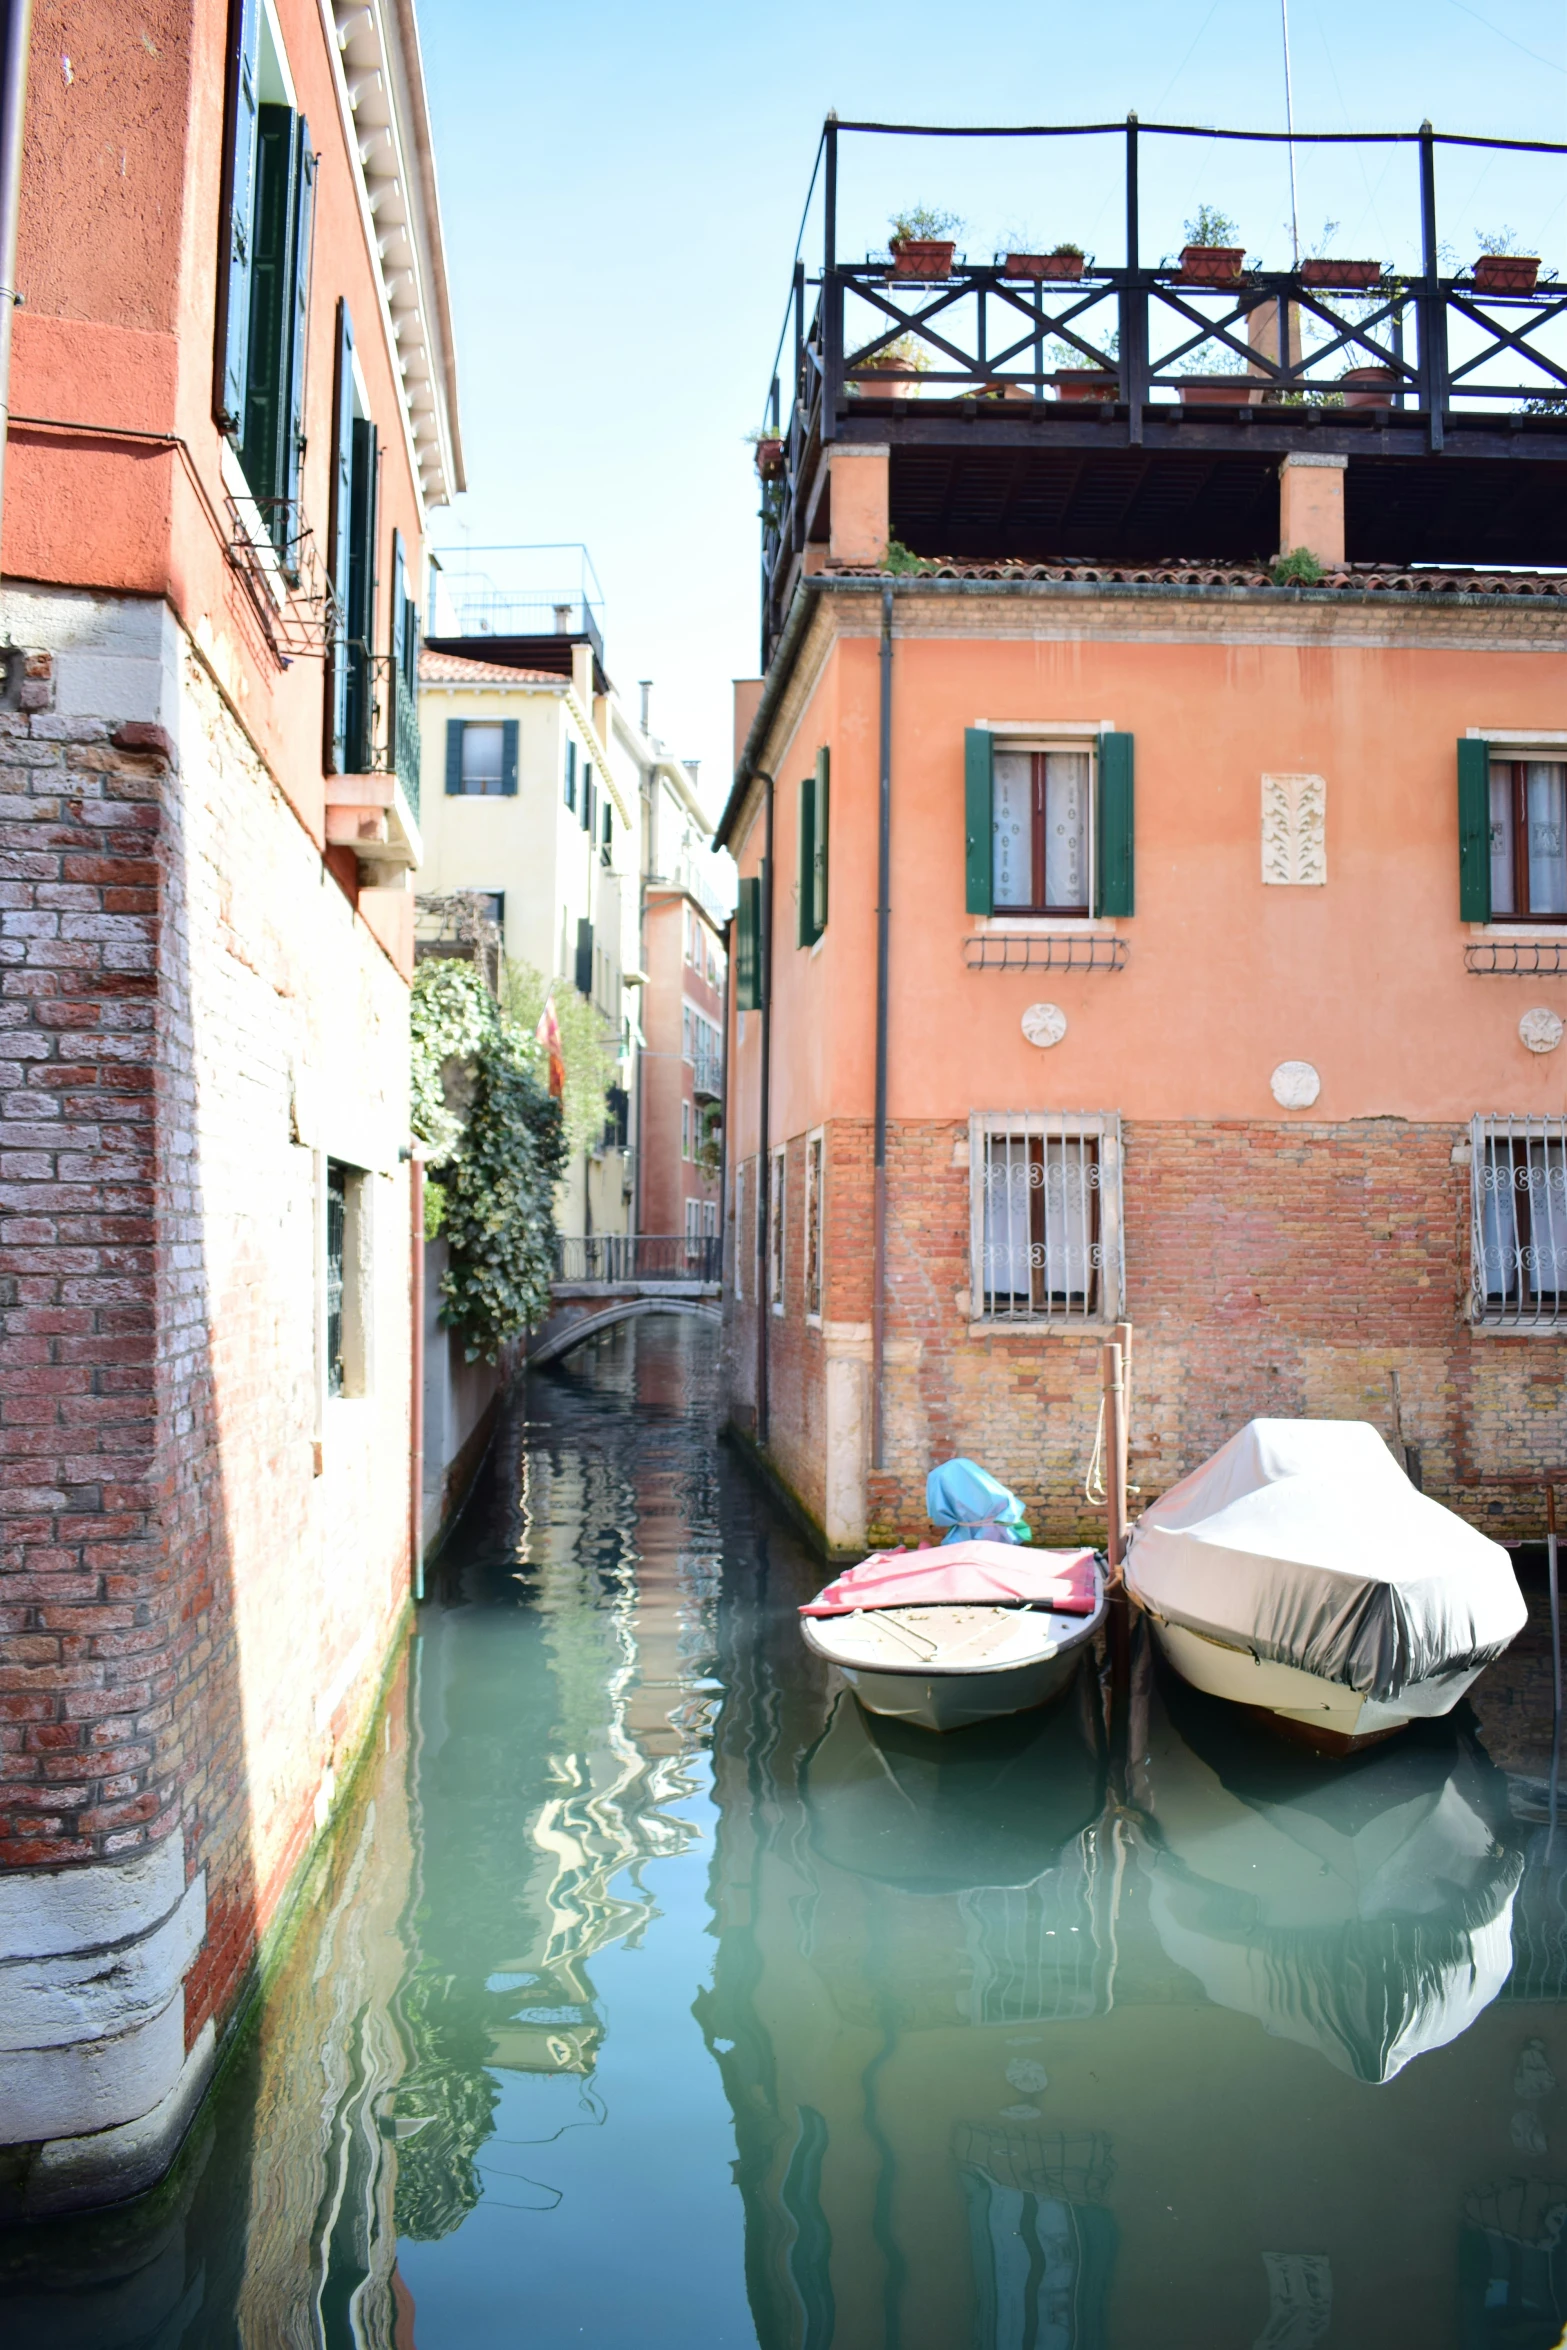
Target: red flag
548 1035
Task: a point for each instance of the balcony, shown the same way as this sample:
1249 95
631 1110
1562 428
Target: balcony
709 1068
373 808
1137 412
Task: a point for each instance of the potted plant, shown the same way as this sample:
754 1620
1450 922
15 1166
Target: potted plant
1343 277
1501 268
922 242
1063 263
1087 383
1369 387
1210 255
769 443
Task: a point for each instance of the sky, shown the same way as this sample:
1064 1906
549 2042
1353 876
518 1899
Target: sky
622 188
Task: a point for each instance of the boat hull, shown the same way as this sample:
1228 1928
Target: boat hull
1326 1714
955 1701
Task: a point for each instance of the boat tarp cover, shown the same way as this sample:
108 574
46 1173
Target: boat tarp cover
965 1574
1304 1542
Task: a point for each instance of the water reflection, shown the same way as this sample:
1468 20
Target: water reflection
651 1992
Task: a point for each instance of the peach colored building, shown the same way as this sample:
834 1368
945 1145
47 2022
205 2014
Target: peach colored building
682 1062
1218 973
231 407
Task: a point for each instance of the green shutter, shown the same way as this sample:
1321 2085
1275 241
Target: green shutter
819 831
509 757
454 727
807 926
300 251
1113 893
239 197
748 947
1474 832
261 449
978 820
340 539
362 597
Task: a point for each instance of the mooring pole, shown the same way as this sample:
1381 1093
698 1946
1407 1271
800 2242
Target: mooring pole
1556 1651
1112 1362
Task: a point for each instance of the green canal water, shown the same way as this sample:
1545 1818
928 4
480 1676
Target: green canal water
648 1995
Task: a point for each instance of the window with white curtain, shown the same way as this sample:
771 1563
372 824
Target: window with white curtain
1518 1192
1045 1216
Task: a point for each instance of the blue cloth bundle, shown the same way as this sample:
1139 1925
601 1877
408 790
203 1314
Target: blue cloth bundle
962 1495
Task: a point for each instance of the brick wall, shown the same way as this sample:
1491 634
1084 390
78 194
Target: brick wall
1270 1269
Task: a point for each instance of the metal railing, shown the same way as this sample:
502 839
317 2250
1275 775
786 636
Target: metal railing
640 1256
710 1074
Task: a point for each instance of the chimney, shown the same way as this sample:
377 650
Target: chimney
563 620
645 688
582 675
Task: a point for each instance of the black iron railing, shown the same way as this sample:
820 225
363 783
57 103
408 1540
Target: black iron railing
639 1256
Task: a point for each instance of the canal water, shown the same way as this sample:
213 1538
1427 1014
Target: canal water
647 1994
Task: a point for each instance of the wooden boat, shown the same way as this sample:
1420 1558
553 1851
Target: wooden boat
965 1633
1300 1574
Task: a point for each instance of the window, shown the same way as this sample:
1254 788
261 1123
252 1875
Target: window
405 676
351 541
710 1219
693 1219
685 1130
813 853
607 844
748 946
1518 1191
740 1251
481 758
589 798
685 1031
268 216
346 1301
1528 838
776 1175
571 776
813 1227
584 971
1045 1216
1048 826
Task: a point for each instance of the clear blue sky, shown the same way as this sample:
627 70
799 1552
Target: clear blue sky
622 186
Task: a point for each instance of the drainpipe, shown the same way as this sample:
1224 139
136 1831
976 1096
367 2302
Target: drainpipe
723 1120
883 945
416 1403
764 1303
13 107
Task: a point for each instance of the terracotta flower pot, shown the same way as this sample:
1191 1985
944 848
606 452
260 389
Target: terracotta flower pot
1506 273
1212 265
1369 387
1345 277
922 256
1237 393
769 459
1086 383
1040 266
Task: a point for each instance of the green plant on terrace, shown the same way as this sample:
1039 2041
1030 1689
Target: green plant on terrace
1299 568
1209 226
919 224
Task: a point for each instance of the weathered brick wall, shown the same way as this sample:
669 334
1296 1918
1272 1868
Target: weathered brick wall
1283 1269
202 1560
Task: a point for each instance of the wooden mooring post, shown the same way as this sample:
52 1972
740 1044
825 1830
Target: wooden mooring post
1116 1360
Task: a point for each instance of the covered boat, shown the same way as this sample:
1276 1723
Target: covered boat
963 1633
1299 1572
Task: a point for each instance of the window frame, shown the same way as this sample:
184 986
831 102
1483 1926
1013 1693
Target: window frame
777 1233
1049 1312
1519 759
814 1225
1037 748
739 1255
1491 1137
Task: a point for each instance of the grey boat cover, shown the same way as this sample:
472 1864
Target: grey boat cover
1304 1542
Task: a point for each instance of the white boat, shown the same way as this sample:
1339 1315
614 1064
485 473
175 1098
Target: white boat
1299 1573
964 1656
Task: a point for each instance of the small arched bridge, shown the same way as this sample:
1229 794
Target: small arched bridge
614 1277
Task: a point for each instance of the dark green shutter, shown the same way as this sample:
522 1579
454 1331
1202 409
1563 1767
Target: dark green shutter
748 947
340 539
571 776
978 820
509 757
584 957
454 727
819 830
301 247
1113 892
807 927
239 196
261 450
1474 832
362 596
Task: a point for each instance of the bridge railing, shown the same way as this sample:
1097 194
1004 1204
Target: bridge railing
639 1256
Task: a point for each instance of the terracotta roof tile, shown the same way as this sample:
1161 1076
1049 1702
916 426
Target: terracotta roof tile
452 669
1435 580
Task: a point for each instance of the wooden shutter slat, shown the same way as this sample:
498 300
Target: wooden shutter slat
261 450
1114 892
239 195
1474 832
978 819
509 757
454 731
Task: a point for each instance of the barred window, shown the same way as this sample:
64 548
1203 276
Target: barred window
776 1174
813 1226
1518 1189
1045 1216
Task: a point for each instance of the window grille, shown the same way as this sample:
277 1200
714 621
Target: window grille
336 1234
740 1250
813 1225
775 1231
1518 1189
1045 1216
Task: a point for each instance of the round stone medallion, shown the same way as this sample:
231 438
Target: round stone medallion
1541 1029
1295 1084
1044 1024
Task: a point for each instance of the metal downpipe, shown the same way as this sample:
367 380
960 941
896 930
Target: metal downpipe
764 1210
13 109
883 946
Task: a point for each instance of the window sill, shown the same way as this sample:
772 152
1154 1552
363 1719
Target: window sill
1104 925
1078 1327
1518 1329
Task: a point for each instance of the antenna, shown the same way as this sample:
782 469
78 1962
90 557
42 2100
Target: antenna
1289 124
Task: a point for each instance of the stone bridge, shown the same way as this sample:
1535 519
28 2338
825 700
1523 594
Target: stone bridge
610 1278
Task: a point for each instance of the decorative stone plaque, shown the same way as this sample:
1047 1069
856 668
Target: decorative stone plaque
1044 1024
1296 1085
1294 829
1541 1029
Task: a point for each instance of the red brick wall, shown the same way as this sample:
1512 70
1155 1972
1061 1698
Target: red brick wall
1270 1269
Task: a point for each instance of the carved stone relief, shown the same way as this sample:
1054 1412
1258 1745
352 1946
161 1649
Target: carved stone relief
1044 1024
1295 1084
1294 829
1541 1029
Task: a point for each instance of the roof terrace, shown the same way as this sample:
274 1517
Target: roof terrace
1045 405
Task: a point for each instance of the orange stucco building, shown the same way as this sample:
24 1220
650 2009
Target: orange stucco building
1178 939
231 408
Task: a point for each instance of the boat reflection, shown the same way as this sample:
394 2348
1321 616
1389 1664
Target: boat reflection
1362 1908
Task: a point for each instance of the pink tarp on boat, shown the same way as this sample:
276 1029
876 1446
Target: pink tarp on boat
975 1574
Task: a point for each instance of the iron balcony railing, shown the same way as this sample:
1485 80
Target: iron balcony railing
710 1075
639 1256
383 718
